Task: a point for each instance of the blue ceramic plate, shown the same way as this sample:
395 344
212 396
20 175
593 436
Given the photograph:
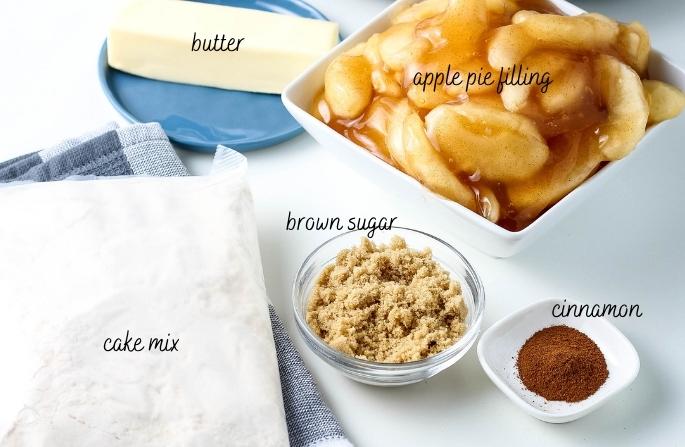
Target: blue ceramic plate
200 118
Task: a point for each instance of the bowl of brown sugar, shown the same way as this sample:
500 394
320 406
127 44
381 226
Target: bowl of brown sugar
391 310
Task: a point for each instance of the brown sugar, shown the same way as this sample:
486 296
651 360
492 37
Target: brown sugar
387 303
562 363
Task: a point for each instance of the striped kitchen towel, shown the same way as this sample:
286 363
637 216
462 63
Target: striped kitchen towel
144 149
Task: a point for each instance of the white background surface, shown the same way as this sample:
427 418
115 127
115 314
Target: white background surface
623 246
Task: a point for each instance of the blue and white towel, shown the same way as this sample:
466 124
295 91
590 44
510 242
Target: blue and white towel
144 149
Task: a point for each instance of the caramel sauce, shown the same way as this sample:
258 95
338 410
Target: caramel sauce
459 37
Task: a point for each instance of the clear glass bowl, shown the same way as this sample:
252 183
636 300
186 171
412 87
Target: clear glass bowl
390 374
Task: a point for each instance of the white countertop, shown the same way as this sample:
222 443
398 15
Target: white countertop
623 246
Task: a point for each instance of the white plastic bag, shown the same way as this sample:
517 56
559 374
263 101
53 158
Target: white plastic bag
170 258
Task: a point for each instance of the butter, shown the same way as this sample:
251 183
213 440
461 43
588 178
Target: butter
216 46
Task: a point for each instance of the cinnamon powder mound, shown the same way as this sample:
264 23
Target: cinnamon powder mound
562 363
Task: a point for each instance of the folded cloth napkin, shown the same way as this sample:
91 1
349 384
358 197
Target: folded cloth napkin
143 149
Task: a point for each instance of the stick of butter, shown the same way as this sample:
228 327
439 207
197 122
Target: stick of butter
216 46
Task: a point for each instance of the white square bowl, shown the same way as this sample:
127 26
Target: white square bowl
498 349
462 222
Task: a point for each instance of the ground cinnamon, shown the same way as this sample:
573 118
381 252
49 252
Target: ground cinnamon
562 363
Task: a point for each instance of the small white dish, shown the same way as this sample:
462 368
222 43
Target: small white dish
498 349
458 220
